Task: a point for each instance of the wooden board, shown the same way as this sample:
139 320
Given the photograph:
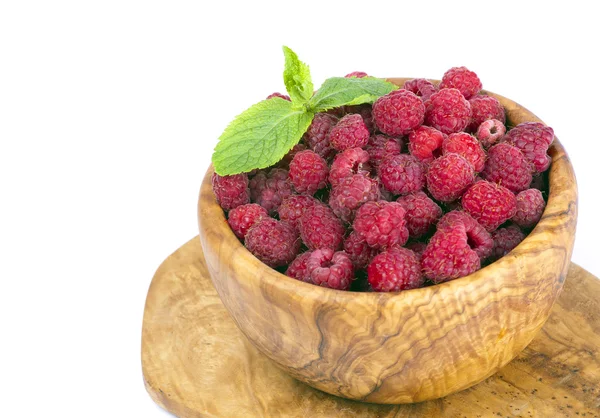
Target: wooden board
196 362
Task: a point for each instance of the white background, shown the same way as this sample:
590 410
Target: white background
109 111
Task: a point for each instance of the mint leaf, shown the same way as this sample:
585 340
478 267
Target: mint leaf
260 136
297 79
341 91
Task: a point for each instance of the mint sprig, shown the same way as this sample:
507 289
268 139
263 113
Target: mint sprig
261 135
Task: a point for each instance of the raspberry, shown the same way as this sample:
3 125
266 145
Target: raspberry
381 224
398 112
317 134
281 96
448 111
287 158
358 250
292 208
449 176
241 218
421 213
425 143
505 240
448 255
395 270
490 204
466 145
364 110
530 207
356 74
351 193
231 191
380 146
308 172
297 269
421 87
273 242
479 239
350 132
506 165
327 268
484 108
533 139
462 79
402 174
320 228
349 162
268 190
490 132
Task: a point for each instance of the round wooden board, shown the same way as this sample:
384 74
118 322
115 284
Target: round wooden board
196 363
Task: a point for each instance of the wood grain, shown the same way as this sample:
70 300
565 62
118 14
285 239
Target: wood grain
410 346
197 363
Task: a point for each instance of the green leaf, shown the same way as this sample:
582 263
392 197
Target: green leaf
297 79
260 136
341 91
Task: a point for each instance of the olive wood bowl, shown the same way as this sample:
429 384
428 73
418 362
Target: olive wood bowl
403 347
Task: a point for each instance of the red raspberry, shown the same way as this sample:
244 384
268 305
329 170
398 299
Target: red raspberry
273 242
402 174
449 176
490 132
346 163
462 79
308 172
489 204
320 228
281 96
421 213
241 218
506 165
530 207
330 269
505 240
533 139
421 87
351 193
231 191
395 270
356 74
448 111
479 239
269 190
398 112
364 110
358 250
466 145
484 108
287 158
425 143
381 224
448 255
350 132
317 134
292 208
297 269
380 146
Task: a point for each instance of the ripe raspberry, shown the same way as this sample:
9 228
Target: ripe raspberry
317 134
479 239
241 218
448 255
350 132
402 174
351 193
395 270
308 172
273 242
320 228
505 240
448 111
530 207
231 191
346 163
398 112
533 139
484 108
358 250
381 224
490 132
462 79
269 190
330 269
281 96
356 74
421 213
364 110
292 208
506 165
425 143
449 176
466 145
421 87
380 146
297 269
287 158
489 204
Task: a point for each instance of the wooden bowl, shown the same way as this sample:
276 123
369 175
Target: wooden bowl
401 347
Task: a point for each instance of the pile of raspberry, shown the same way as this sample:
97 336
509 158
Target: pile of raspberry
426 185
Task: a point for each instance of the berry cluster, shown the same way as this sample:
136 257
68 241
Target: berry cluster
426 185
